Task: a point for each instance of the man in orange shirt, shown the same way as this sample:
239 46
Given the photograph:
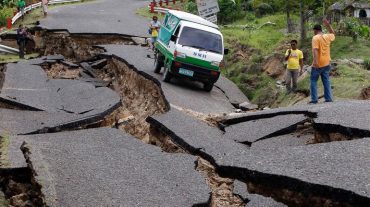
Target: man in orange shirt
321 61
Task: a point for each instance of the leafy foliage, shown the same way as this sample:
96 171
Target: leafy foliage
263 9
5 12
191 7
367 63
230 11
353 27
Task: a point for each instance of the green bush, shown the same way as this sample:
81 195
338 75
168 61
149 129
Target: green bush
230 11
263 9
5 13
9 3
351 26
364 31
191 7
248 5
367 63
250 16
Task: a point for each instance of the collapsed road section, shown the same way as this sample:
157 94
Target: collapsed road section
284 167
73 138
56 95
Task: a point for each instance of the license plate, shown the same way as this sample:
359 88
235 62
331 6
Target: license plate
183 71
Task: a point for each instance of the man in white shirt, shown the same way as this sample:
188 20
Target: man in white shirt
154 28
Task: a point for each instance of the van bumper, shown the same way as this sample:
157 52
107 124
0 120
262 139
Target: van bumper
200 74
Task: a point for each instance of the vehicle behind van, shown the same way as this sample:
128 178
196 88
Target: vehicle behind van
189 47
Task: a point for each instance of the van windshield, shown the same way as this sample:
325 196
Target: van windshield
201 39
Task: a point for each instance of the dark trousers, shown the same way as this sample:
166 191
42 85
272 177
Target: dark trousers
22 45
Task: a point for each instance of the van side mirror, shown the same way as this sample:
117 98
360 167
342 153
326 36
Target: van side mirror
226 51
173 38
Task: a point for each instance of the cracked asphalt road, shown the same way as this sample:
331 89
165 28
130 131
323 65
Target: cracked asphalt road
100 16
94 18
336 171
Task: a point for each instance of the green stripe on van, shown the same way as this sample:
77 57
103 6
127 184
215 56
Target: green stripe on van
187 60
198 62
164 50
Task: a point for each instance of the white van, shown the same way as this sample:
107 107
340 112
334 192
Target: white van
189 46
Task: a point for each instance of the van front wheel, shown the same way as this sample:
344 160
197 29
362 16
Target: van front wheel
167 75
158 62
208 87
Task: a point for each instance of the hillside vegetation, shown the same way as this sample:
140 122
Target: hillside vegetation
252 47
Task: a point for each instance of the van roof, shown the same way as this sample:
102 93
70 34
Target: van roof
192 18
201 27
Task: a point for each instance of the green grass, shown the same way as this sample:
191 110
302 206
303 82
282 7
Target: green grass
267 38
4 145
350 82
9 58
345 47
347 85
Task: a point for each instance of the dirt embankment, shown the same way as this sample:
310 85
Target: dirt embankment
141 97
77 47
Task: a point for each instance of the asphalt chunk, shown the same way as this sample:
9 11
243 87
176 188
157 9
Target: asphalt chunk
13 122
27 86
335 172
252 131
254 200
105 167
196 137
283 141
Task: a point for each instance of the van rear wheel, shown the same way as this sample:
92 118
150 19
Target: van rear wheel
159 60
167 76
208 86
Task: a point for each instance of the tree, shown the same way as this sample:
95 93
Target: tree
288 19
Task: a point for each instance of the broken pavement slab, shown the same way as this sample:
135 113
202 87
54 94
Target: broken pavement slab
88 69
255 130
338 116
27 86
99 64
282 141
336 171
195 136
69 64
105 167
254 200
246 106
14 122
231 90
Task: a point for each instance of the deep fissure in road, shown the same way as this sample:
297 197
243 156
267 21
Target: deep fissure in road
19 189
141 97
18 186
78 47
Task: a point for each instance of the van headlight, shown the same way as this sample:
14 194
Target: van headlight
179 54
215 63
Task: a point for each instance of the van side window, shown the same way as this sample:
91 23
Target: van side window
177 30
172 23
165 20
